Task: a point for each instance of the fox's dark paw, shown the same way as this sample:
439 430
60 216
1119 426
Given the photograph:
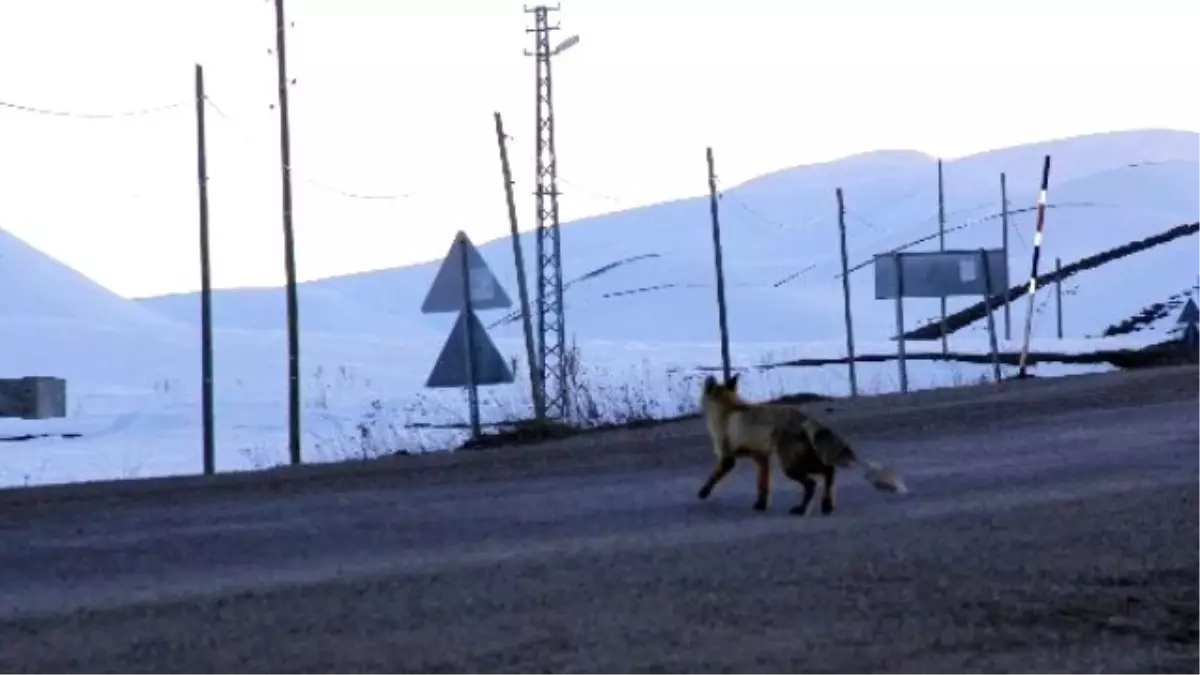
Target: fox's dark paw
760 505
826 507
704 492
799 510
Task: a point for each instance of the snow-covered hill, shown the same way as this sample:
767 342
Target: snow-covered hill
37 286
643 326
1105 189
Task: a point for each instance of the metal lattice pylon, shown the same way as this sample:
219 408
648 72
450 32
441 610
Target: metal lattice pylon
551 346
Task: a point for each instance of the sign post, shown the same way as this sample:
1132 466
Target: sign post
987 301
469 358
900 352
469 346
937 274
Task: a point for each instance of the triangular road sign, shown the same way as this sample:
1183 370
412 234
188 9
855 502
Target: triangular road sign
446 293
1191 337
451 367
1189 314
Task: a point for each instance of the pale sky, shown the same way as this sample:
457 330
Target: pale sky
395 98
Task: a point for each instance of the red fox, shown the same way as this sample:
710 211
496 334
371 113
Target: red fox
805 447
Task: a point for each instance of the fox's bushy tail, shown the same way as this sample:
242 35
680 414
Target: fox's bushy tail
836 451
883 478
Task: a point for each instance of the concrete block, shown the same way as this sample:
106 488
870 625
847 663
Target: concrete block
33 398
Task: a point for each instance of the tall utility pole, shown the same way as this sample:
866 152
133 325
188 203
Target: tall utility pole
206 352
552 357
846 294
715 213
942 247
535 388
289 252
1004 245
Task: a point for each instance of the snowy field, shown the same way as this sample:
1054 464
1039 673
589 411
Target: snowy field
642 313
151 426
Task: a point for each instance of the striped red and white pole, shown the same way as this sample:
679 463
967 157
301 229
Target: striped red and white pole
1037 250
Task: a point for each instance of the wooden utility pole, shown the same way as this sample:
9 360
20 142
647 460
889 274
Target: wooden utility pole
716 234
535 369
846 294
1004 245
206 353
1058 296
942 247
289 244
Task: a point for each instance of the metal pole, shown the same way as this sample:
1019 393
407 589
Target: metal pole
556 249
206 351
942 247
289 244
1037 250
468 316
553 362
1004 245
539 406
900 351
716 234
991 320
543 218
846 295
1058 296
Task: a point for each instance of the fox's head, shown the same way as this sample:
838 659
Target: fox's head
716 393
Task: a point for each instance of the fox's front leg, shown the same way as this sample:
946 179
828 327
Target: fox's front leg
725 462
764 481
724 466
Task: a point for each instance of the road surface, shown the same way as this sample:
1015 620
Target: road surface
1052 526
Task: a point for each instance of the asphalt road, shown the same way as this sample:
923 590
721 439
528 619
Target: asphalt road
1051 526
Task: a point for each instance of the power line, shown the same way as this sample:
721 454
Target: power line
969 224
823 260
793 275
90 115
949 215
892 203
753 213
864 221
216 108
302 174
593 193
353 195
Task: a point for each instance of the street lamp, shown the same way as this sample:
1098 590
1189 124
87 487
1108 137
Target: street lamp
565 45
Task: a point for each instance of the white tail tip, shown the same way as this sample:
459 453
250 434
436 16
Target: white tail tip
885 480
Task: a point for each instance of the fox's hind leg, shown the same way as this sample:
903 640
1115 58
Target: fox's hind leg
827 496
724 466
810 490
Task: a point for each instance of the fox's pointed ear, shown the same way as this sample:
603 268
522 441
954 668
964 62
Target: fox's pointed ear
710 383
733 382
